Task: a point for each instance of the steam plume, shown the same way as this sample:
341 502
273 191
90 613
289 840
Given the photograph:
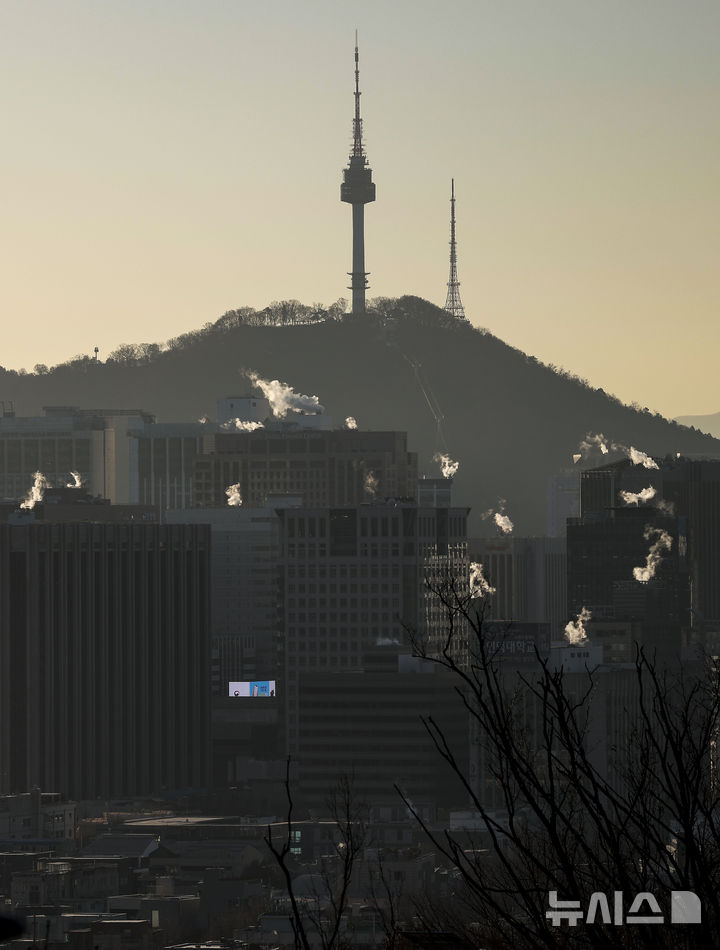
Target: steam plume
350 423
370 484
242 425
499 517
448 466
76 482
503 522
661 542
666 506
233 495
599 441
575 631
283 398
640 458
204 420
36 494
591 442
635 497
479 585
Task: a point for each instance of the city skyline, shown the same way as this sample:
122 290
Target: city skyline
165 165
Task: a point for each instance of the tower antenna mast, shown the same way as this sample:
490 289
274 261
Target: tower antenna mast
453 303
358 189
357 121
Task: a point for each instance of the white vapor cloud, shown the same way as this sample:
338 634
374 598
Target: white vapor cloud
641 458
242 425
661 542
76 482
502 521
575 631
636 497
598 441
448 466
350 423
283 398
479 585
591 442
370 484
233 495
36 494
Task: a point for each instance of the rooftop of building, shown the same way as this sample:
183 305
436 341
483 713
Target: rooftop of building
123 845
59 420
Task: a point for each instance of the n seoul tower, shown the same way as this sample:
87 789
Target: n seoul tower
357 189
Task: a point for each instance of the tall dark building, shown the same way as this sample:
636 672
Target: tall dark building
245 570
355 579
358 189
367 723
630 554
103 657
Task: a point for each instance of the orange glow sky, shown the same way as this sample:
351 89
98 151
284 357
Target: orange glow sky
164 161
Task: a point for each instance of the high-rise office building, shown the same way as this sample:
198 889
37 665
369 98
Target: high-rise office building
161 462
562 501
646 548
357 578
162 454
529 577
244 579
687 489
324 467
104 654
95 443
367 724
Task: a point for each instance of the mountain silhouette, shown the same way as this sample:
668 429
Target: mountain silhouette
509 420
709 423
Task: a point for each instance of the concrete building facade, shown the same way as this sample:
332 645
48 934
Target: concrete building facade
93 442
36 815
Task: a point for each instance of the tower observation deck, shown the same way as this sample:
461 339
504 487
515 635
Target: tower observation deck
358 189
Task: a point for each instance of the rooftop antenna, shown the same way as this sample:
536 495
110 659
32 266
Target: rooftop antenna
453 303
357 121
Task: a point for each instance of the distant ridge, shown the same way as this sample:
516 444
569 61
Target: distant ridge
508 419
709 423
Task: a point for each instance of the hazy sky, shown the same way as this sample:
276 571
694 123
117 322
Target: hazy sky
167 160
